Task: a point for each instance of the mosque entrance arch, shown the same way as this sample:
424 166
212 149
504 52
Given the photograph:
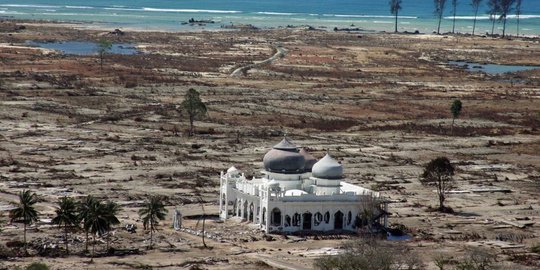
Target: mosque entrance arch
251 209
338 221
276 217
245 210
306 223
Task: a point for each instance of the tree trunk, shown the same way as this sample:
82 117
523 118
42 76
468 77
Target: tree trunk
474 23
24 234
203 220
66 238
493 25
395 28
86 244
452 127
504 26
191 120
454 21
93 246
439 26
151 235
517 30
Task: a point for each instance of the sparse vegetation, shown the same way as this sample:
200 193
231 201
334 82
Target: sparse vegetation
151 213
25 211
103 47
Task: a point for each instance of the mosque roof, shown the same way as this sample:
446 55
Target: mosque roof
327 168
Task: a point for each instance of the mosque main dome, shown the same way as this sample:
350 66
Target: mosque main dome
284 158
327 168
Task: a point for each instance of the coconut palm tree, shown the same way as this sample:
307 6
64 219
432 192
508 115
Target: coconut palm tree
439 11
111 211
25 210
454 11
505 8
476 5
518 12
98 221
493 10
395 7
66 216
84 214
152 212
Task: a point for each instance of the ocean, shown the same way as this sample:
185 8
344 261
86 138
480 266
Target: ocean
168 15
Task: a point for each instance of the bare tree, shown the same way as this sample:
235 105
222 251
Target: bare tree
395 7
476 5
505 8
439 11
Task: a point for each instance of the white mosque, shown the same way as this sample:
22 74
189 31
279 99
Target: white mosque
298 193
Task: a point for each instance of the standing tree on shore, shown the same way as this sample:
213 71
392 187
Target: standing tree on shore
151 213
454 11
475 5
103 47
455 109
111 211
84 215
505 8
439 172
493 10
395 7
518 12
25 210
194 107
439 12
66 216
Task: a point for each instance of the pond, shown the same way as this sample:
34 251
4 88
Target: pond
83 47
492 69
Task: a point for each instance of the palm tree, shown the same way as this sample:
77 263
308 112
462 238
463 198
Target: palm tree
518 12
25 210
395 7
493 10
505 8
476 5
66 216
152 212
84 215
98 221
439 11
111 210
454 8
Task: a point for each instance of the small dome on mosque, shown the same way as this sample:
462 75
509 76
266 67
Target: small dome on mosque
310 160
233 171
327 168
284 158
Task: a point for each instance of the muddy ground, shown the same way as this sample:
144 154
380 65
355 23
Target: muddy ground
378 102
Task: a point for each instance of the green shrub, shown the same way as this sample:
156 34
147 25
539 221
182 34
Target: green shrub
37 266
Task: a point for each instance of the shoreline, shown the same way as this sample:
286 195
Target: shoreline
97 26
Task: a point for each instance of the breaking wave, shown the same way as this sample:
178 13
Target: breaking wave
487 17
190 10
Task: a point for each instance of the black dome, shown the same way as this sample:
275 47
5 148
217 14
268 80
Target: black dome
284 158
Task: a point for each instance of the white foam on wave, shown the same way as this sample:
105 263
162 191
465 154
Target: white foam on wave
28 6
190 10
487 17
276 13
368 16
79 7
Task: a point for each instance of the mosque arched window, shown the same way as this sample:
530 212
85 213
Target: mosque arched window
296 220
287 222
349 218
318 218
327 217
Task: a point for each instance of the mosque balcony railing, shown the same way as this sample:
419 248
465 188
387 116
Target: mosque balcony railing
343 197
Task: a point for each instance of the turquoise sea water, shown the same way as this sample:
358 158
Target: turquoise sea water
168 14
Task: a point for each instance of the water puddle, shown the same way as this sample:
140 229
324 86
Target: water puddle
492 69
84 47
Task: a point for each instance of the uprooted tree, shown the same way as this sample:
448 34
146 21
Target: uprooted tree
439 172
194 107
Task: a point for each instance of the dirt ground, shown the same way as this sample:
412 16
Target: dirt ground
378 102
